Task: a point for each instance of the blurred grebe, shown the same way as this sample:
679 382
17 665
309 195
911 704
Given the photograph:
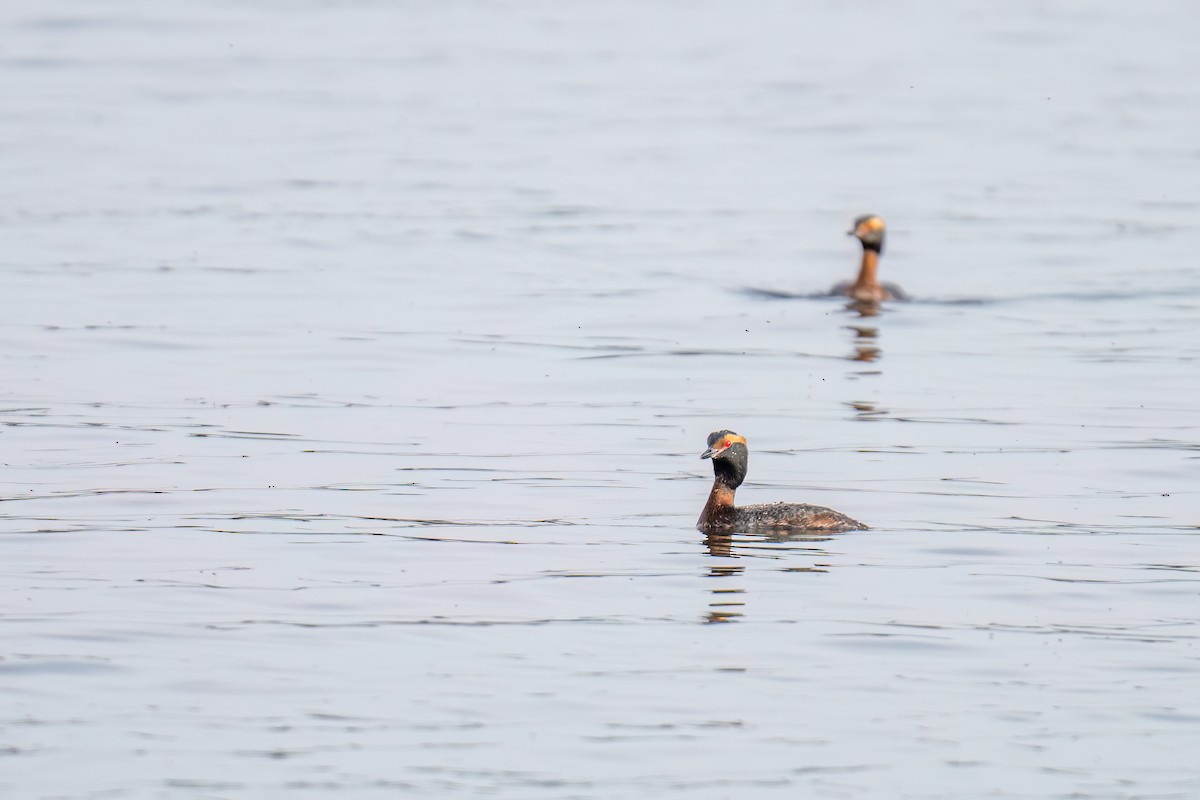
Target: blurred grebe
866 288
730 458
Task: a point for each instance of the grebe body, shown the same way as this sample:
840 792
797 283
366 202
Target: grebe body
730 458
866 288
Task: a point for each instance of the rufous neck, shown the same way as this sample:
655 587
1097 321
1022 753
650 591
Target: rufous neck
868 272
719 499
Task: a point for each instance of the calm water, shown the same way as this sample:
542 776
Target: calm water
357 358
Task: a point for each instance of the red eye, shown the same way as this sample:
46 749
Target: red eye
727 443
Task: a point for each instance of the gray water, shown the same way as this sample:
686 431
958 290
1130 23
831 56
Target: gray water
357 357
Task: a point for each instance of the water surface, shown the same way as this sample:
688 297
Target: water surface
358 358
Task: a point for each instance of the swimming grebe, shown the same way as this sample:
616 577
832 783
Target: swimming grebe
730 458
870 230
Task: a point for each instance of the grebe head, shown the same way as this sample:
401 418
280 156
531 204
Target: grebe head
869 229
729 455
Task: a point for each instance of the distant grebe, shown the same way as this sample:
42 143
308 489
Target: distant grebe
730 458
866 288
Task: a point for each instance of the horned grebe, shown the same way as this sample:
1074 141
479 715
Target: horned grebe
730 458
870 230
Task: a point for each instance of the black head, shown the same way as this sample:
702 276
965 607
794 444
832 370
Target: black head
870 230
729 455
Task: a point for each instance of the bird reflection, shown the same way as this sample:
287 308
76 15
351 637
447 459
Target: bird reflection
726 602
866 344
764 544
719 545
865 308
864 410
